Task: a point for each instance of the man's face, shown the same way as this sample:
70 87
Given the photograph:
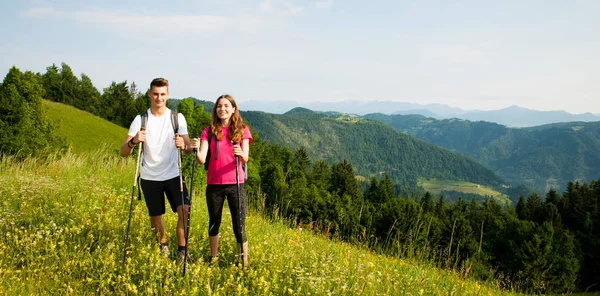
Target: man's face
158 96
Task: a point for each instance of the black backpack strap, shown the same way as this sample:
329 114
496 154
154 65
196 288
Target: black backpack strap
216 145
175 122
208 153
144 118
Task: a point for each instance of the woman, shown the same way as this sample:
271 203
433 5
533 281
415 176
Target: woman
226 140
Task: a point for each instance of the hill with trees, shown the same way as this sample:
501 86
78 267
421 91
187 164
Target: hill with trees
375 149
540 157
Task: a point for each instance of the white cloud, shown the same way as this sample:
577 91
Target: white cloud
324 4
266 6
40 11
280 7
170 24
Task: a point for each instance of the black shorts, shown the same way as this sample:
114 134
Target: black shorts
155 191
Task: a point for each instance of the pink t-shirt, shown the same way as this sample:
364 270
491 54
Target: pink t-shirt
222 170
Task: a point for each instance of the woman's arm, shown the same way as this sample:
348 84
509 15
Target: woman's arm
201 156
242 150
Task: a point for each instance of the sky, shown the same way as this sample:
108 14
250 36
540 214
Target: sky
474 55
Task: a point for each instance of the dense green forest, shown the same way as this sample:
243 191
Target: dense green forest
541 157
373 148
545 244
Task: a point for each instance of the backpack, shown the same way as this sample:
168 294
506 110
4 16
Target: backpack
174 120
208 154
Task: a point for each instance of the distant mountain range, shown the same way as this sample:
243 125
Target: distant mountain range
513 116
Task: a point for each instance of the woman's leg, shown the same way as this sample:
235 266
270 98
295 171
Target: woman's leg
215 197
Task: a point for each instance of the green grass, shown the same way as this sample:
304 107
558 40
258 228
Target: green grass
62 225
83 131
436 187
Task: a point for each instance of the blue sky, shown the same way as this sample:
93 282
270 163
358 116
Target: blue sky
542 55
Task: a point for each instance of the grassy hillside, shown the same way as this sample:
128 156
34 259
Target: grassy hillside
61 232
541 157
436 187
372 148
84 132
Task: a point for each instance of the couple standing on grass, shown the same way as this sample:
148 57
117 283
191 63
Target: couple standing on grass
229 139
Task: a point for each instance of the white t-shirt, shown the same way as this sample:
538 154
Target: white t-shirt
160 160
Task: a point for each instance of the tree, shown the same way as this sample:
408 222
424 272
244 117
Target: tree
302 159
52 83
69 88
385 190
117 104
24 128
89 96
343 180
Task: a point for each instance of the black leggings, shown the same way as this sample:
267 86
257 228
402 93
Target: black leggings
215 197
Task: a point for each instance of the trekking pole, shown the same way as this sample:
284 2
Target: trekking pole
237 183
181 190
137 167
187 226
180 176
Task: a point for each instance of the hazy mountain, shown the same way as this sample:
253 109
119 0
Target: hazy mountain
513 116
541 157
352 107
424 112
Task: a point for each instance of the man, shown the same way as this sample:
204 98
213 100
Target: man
159 170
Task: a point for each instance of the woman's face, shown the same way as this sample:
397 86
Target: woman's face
224 109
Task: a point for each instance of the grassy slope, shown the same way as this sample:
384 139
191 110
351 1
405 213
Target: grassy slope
84 132
64 221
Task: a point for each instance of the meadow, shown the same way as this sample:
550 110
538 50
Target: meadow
81 129
62 226
435 187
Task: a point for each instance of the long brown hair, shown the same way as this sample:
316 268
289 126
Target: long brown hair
236 123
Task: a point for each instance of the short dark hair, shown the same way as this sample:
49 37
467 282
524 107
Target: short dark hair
159 82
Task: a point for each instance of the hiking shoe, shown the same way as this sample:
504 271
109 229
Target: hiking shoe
181 255
164 249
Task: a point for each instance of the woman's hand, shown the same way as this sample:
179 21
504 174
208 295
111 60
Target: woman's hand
237 149
195 144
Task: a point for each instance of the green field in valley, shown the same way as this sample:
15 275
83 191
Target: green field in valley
435 187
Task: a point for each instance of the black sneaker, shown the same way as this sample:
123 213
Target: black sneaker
181 255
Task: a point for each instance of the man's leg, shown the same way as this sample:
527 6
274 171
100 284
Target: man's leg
159 227
155 202
174 196
181 220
